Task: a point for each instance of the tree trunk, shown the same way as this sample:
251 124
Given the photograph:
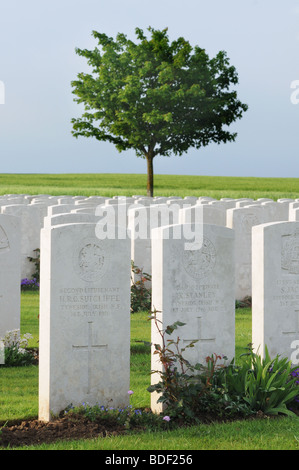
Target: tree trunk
150 175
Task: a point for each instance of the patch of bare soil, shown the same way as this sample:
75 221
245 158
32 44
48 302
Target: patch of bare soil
34 432
73 426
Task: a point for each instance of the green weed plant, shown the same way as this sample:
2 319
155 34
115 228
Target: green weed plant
15 349
190 392
141 295
265 384
128 418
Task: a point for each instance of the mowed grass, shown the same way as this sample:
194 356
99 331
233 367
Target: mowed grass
19 400
19 386
135 184
140 362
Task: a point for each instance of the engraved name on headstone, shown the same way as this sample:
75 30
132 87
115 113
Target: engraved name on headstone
275 288
195 287
84 319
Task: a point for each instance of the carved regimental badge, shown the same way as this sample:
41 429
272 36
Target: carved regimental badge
200 263
92 261
290 253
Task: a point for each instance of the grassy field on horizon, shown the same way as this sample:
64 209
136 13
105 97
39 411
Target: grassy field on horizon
113 184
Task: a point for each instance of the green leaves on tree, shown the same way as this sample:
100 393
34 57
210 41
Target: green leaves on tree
155 96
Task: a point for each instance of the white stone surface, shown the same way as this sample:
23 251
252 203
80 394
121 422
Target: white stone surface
141 220
84 319
195 287
10 268
32 219
69 218
241 220
60 209
204 213
275 211
275 289
294 214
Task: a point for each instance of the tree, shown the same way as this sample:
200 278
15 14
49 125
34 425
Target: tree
156 97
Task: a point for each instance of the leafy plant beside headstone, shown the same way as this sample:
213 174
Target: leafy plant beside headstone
16 352
189 391
244 303
140 292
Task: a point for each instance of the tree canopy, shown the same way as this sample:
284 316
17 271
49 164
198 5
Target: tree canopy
155 96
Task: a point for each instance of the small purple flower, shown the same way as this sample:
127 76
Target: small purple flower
29 283
130 392
166 418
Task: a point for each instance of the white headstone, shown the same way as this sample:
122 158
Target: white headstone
229 204
195 287
85 210
191 199
275 289
294 214
141 220
10 262
65 200
84 319
32 219
245 203
275 211
206 213
60 209
241 220
69 218
293 206
91 200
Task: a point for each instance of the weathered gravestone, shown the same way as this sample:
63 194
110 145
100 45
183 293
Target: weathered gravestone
293 211
32 219
203 212
141 221
84 319
275 211
115 212
60 209
92 200
241 220
10 268
196 287
69 218
275 289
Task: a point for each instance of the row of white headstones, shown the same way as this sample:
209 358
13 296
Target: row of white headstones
84 340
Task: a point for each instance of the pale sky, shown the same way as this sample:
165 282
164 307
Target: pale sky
38 62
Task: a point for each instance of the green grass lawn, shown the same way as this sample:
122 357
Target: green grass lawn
164 185
19 386
19 400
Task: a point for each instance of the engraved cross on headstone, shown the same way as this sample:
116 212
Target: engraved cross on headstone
199 338
90 348
296 329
